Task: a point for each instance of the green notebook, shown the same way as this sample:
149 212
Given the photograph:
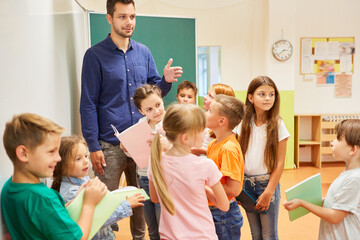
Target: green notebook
105 207
308 190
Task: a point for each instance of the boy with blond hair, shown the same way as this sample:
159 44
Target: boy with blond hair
186 92
30 209
224 114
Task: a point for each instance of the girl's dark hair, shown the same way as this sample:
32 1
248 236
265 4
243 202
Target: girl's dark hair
271 148
143 92
67 151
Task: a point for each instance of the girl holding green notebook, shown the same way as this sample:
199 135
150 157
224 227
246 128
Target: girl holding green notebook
71 175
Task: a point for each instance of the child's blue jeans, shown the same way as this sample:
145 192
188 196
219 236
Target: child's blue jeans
151 211
262 226
228 224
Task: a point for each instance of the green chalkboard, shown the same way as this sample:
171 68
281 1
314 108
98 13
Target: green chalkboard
166 37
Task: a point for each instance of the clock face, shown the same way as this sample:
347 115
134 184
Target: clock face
282 50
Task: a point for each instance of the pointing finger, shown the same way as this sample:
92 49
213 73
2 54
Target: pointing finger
169 62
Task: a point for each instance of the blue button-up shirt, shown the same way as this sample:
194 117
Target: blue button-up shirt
109 79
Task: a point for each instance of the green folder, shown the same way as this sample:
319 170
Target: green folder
308 190
104 208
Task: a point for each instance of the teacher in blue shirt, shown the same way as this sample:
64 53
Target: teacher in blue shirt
112 70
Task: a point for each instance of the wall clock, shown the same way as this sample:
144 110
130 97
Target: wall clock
282 50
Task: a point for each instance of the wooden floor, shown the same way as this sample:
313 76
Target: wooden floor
306 227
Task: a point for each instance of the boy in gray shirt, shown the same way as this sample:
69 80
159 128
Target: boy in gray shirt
340 214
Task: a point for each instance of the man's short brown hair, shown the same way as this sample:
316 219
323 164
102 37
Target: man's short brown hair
27 129
110 5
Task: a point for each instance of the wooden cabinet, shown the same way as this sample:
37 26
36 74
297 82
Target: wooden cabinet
313 140
319 136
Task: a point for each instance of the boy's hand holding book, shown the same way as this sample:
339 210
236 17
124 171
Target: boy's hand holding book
292 204
94 192
301 195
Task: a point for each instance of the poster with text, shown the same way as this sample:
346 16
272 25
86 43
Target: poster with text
343 85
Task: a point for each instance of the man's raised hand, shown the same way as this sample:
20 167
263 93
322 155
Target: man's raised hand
171 74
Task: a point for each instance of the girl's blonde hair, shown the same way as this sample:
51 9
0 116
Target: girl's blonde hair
179 118
272 115
350 130
67 152
143 92
220 88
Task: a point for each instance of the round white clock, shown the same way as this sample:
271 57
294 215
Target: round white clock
282 50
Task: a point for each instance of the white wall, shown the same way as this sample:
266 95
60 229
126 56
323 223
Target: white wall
326 18
42 44
281 26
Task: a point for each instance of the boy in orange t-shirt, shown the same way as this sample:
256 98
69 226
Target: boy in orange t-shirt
224 115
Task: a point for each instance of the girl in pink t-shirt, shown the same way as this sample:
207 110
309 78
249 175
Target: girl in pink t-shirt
183 182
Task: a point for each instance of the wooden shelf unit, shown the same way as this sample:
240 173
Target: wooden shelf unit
327 135
314 142
322 133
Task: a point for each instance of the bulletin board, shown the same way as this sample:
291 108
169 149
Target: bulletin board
330 61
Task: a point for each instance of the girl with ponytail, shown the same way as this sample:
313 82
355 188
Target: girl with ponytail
183 182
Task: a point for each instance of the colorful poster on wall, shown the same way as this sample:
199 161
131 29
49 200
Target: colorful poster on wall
321 79
326 78
327 55
324 66
343 85
325 70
